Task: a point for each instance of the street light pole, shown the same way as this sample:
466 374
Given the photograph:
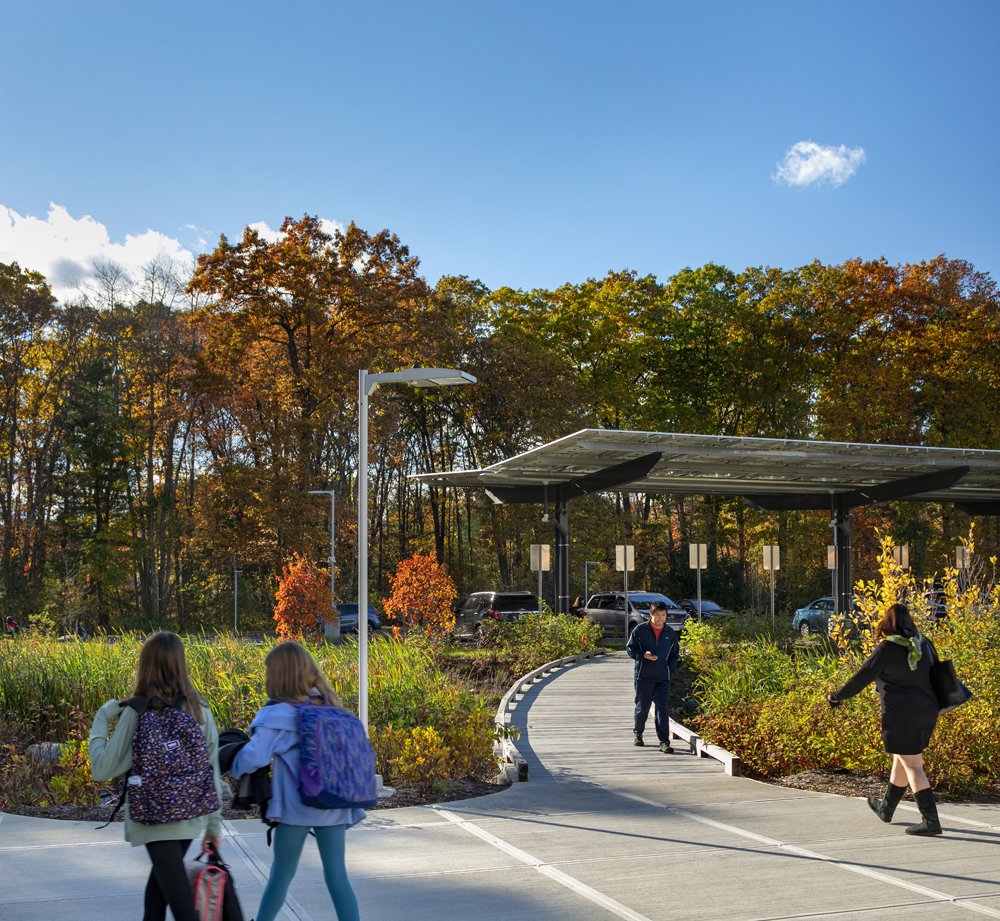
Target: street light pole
367 384
363 392
333 557
586 578
236 599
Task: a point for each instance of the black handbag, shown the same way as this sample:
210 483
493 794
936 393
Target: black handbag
214 891
949 691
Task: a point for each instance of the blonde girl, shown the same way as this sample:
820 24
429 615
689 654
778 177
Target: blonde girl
292 678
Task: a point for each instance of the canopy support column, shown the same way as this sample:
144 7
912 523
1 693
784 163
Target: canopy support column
842 543
561 524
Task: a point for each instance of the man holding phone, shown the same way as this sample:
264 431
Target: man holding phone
656 651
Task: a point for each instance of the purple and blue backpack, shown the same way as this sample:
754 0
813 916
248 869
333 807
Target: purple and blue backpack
337 762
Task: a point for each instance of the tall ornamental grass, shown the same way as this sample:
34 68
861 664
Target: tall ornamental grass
49 691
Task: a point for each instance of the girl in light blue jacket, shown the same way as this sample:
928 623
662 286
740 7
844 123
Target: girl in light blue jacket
292 678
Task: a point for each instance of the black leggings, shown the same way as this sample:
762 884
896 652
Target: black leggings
168 883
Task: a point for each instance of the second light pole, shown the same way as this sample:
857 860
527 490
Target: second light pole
333 556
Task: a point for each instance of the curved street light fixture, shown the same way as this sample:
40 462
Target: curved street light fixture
367 384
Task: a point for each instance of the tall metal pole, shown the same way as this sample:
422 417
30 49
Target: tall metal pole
236 600
699 581
363 547
586 578
625 574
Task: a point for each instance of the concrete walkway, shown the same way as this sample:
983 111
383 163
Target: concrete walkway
602 830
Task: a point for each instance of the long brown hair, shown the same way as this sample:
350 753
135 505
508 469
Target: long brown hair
162 672
291 675
895 620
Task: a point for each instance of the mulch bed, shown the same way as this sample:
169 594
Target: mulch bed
403 796
851 783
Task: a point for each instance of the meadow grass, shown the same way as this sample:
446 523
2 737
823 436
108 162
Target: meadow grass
428 726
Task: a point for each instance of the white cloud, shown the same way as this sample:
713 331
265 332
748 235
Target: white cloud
807 162
272 236
265 231
66 249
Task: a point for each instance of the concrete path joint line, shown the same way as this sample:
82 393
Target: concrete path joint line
564 879
292 908
932 894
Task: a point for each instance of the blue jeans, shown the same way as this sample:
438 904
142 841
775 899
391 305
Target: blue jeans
288 841
652 693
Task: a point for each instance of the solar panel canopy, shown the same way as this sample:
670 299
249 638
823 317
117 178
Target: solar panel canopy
722 465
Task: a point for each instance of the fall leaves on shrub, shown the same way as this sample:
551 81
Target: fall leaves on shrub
303 600
422 594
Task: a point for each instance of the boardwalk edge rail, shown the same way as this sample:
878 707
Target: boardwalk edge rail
515 767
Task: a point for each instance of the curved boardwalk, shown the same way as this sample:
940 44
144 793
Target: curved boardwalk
602 830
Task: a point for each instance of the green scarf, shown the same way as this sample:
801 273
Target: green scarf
913 646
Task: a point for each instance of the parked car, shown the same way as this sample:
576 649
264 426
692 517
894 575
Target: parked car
709 609
349 620
846 627
934 601
813 618
608 610
479 607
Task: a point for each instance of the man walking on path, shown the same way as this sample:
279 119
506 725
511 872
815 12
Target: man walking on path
656 652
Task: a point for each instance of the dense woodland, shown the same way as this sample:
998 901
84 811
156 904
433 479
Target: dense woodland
157 433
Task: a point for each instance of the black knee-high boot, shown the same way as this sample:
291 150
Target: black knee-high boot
928 812
885 807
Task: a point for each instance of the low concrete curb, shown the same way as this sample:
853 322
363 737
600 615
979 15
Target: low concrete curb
512 762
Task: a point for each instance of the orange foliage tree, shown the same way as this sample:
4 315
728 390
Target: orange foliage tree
422 594
303 600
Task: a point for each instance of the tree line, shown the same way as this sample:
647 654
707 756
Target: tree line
157 433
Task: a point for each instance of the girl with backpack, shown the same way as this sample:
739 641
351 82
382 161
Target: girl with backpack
173 798
293 679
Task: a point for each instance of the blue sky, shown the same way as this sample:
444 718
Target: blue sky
524 144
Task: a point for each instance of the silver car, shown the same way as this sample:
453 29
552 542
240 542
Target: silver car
608 610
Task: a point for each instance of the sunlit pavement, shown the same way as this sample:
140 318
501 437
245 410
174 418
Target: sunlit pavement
601 830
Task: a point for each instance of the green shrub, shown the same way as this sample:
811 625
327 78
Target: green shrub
766 700
71 781
526 642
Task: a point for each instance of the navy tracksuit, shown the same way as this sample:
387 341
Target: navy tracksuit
652 679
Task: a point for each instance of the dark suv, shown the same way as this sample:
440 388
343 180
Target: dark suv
482 606
608 610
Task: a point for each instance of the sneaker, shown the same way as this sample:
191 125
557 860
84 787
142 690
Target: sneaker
665 748
638 741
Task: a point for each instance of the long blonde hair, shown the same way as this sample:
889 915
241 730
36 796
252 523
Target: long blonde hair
162 672
291 676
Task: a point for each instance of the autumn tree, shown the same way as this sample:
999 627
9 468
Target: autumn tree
302 600
289 321
421 599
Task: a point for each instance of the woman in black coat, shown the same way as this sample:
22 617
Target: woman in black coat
900 666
